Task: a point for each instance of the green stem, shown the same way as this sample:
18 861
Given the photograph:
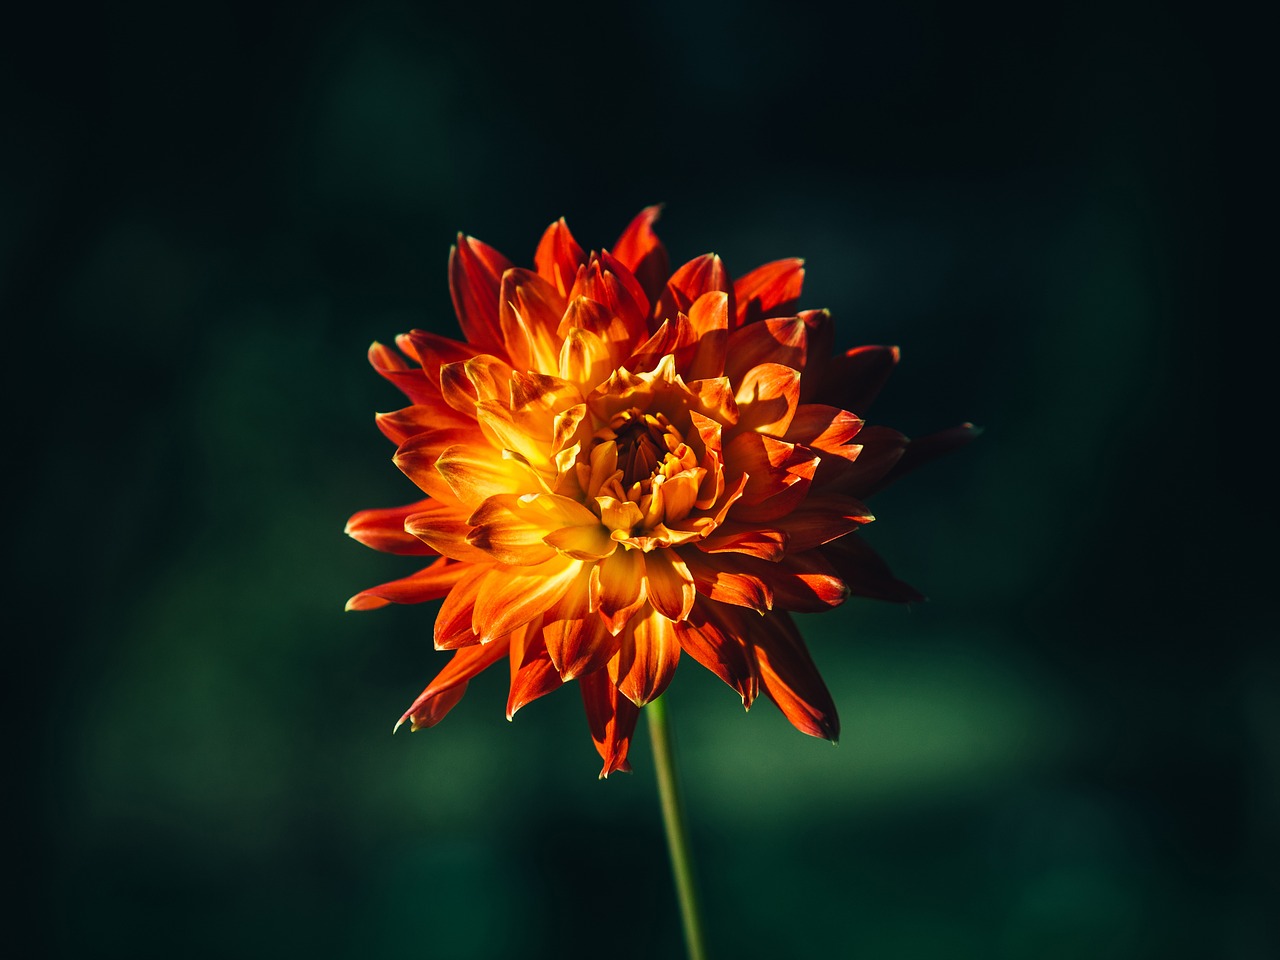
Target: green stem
677 834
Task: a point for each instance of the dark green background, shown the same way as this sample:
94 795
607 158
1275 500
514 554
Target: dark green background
207 213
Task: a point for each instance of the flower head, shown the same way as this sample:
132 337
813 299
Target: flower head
623 466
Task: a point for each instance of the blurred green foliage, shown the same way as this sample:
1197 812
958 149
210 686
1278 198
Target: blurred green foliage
212 210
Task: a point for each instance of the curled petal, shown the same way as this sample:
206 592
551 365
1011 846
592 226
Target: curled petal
779 475
612 718
443 693
768 291
506 534
712 636
383 529
767 398
646 659
412 383
670 584
431 583
475 472
475 277
576 638
701 275
618 587
533 675
444 529
790 679
641 252
558 257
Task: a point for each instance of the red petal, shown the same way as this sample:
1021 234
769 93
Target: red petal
712 636
822 427
618 587
404 424
450 683
442 527
733 537
767 398
790 679
724 578
856 379
670 584
641 252
558 257
475 275
866 574
575 636
781 340
675 337
612 718
431 583
646 661
709 317
383 529
532 673
529 311
803 582
768 291
701 275
417 458
778 475
411 382
507 535
924 449
820 520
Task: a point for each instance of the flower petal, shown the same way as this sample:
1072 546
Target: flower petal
924 449
558 257
779 475
670 584
431 583
866 574
383 529
507 534
511 596
612 718
443 693
475 276
767 398
820 520
712 636
453 622
770 290
529 311
401 425
412 383
724 578
641 252
700 275
781 340
532 673
647 658
618 587
732 537
475 472
854 380
709 317
790 679
576 638
444 530
803 582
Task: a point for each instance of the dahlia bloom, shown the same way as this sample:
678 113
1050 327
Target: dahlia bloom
624 465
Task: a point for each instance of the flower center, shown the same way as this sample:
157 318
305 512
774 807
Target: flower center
645 443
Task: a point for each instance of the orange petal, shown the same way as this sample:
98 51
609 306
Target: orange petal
476 472
767 398
820 520
383 529
450 683
618 587
768 291
400 425
781 340
712 636
670 584
730 537
431 583
507 534
727 579
641 252
790 679
575 636
511 596
709 317
587 542
803 582
700 275
529 311
444 529
475 276
822 427
417 458
453 622
779 475
646 659
675 337
532 673
558 257
617 291
612 718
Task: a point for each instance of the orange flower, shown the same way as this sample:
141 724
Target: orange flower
622 467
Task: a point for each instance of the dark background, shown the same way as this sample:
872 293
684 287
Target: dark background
208 211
